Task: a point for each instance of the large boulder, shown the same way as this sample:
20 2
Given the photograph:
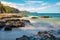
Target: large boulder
24 37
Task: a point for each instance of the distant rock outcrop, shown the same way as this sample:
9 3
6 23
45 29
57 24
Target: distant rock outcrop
45 17
34 17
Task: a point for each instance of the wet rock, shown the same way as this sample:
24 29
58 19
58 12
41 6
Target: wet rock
58 38
18 24
7 28
34 17
12 20
2 24
58 31
46 36
45 17
27 21
24 37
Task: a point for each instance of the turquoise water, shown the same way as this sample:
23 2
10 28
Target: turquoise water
57 15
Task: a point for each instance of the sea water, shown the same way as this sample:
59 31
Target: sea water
39 24
45 14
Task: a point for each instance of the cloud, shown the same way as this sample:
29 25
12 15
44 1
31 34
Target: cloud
31 5
11 4
34 1
58 3
25 7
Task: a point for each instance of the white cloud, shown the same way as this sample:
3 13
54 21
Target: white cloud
23 6
11 4
58 3
34 1
33 9
27 8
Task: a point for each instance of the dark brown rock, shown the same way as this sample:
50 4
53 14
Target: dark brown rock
45 17
7 28
34 17
23 38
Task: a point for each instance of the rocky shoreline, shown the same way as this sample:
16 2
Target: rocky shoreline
10 21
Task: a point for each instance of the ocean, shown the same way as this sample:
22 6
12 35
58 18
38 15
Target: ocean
45 14
39 24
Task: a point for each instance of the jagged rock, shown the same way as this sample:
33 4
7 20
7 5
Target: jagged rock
46 35
24 37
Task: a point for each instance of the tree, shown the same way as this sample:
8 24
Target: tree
2 9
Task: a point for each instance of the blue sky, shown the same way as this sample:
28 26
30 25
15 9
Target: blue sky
40 6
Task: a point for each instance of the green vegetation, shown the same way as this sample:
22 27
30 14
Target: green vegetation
7 9
2 9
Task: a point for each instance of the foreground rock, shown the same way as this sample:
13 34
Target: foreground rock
2 24
58 31
8 24
8 28
46 36
23 38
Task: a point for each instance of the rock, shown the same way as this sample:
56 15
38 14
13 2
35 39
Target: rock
45 35
58 31
24 37
16 25
34 17
27 21
50 36
10 20
58 38
2 24
45 17
7 28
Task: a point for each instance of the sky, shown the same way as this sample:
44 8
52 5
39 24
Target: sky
40 6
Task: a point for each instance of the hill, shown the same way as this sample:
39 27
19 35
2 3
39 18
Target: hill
7 9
